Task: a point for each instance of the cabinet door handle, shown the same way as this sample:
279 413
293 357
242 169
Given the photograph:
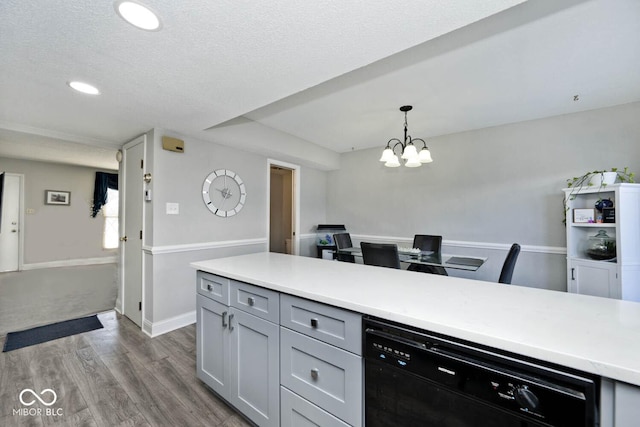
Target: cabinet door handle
224 319
251 301
230 325
314 374
209 287
314 323
573 270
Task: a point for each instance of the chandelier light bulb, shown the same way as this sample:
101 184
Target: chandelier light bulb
387 154
409 152
425 156
393 162
413 162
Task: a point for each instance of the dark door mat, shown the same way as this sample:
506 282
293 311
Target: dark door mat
40 334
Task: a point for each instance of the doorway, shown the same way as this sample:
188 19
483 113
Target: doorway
11 235
283 207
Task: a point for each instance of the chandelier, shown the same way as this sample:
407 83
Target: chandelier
407 148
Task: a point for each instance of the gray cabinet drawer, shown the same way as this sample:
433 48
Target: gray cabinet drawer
298 412
325 375
260 302
333 325
214 287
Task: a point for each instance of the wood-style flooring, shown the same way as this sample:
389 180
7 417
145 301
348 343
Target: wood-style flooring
116 376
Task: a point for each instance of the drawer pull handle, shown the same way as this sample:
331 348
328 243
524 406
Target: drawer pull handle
224 319
314 374
209 287
314 323
251 301
230 325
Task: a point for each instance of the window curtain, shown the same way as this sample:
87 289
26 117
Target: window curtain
104 181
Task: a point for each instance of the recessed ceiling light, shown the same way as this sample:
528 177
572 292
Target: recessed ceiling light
137 15
84 88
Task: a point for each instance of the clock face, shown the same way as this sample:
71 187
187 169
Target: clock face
223 193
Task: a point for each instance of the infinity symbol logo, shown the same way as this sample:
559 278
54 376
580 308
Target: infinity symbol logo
55 397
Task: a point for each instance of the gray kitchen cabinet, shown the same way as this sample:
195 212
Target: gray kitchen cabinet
320 362
237 348
627 405
212 344
335 326
299 412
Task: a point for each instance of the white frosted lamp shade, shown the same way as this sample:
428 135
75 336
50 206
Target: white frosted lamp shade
393 162
413 162
409 152
425 156
387 155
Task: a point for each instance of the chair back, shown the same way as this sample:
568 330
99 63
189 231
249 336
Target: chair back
426 242
380 254
342 241
509 264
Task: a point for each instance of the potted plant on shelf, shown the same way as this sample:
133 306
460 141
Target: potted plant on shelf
600 178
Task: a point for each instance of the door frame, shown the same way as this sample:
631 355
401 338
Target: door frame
21 217
120 302
295 206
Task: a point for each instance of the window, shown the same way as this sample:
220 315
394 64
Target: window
110 238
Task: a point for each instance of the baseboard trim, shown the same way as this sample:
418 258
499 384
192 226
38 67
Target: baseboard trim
155 250
154 329
71 263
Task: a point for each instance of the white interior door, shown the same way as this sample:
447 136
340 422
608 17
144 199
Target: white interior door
10 230
131 242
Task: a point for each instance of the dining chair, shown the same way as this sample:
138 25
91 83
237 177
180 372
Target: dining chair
426 242
380 254
343 241
509 264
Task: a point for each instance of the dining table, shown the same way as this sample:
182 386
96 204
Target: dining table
459 262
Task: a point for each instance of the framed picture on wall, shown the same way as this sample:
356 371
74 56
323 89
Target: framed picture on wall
55 197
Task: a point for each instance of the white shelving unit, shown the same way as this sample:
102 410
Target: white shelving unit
618 278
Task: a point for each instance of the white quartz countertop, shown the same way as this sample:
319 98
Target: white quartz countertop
595 335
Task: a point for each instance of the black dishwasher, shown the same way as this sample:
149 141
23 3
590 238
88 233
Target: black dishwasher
419 378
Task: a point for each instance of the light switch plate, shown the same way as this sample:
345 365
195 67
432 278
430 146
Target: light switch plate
173 208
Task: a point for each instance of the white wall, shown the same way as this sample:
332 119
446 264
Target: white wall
487 189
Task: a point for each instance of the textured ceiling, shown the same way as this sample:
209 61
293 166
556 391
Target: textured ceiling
326 75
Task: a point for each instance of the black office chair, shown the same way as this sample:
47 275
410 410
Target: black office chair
509 264
380 254
342 241
426 242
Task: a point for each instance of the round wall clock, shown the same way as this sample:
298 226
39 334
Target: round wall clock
224 193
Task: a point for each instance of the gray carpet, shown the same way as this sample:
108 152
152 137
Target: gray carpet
39 297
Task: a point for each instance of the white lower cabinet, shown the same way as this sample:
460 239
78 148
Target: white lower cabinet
594 278
299 412
238 357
